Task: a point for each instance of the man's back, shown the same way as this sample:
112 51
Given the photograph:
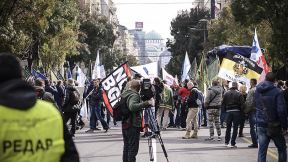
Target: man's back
270 101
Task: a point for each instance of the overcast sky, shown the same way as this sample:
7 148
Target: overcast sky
156 16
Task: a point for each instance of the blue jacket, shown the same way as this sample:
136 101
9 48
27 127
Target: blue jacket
270 105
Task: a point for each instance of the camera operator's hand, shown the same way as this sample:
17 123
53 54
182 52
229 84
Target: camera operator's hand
152 102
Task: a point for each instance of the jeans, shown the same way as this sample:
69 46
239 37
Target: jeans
264 141
131 138
222 116
252 122
204 115
232 117
72 116
96 114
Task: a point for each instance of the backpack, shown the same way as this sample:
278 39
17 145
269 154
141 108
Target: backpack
74 97
120 110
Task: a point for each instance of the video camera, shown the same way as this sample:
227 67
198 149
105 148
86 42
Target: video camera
146 92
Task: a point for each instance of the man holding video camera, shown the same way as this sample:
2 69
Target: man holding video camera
132 126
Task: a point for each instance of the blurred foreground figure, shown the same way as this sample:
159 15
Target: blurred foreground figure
31 129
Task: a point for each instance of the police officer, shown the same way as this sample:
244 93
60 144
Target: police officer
31 129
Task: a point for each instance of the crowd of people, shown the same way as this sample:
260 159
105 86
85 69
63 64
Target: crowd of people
224 106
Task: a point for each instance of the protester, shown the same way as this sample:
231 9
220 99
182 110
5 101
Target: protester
271 118
233 104
95 103
61 93
165 106
132 126
192 115
69 105
18 102
213 102
183 94
242 90
250 109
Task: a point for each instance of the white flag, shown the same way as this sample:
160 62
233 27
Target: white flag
102 72
186 68
97 68
81 77
166 76
258 57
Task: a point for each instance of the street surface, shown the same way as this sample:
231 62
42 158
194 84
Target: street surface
107 147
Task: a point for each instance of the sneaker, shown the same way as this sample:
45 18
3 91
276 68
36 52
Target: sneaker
89 131
204 125
253 146
219 138
241 135
209 139
226 144
106 130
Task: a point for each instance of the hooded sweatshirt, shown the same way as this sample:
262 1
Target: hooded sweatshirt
17 94
270 105
135 106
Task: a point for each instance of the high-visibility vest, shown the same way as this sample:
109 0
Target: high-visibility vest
33 135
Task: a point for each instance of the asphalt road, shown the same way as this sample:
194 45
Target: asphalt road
107 147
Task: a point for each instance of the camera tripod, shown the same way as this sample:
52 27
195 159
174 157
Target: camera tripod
153 125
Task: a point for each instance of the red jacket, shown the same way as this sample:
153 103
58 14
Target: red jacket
183 92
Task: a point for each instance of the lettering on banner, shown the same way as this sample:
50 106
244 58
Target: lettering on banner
113 85
26 146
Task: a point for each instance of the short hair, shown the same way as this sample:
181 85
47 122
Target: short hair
9 67
137 76
70 82
271 77
235 85
157 80
135 84
215 82
39 82
190 84
253 81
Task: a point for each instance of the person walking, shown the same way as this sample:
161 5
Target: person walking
95 103
69 105
26 119
233 104
271 118
213 102
250 110
131 127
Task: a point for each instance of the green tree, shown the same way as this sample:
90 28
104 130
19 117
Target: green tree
185 39
274 13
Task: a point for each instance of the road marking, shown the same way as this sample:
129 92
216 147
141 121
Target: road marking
154 149
270 152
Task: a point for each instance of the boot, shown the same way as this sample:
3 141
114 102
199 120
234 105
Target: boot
187 135
194 135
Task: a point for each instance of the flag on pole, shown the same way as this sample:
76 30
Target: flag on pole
239 69
258 57
112 86
201 76
193 70
97 68
213 70
80 77
167 77
37 74
102 72
186 68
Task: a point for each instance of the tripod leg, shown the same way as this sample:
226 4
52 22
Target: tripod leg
162 146
150 149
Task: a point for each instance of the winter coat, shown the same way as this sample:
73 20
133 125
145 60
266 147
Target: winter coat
167 98
135 106
214 97
233 100
96 97
19 95
250 106
270 105
191 99
67 105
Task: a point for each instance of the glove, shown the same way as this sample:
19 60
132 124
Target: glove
152 102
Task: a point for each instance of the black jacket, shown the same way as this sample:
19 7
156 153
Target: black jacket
191 99
233 100
17 94
67 105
